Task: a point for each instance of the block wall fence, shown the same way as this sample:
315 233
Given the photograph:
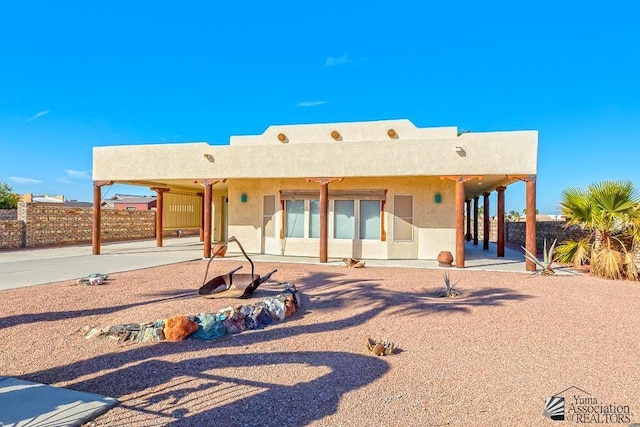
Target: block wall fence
35 225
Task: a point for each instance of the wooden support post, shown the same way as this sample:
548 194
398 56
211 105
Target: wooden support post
500 221
96 229
207 218
486 230
324 213
159 207
475 221
468 203
530 241
97 219
459 206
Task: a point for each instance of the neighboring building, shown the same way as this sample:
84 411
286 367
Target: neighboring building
43 198
59 199
77 204
379 190
134 203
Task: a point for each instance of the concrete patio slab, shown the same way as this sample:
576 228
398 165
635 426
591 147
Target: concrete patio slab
24 403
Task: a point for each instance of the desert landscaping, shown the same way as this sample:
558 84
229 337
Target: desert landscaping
490 356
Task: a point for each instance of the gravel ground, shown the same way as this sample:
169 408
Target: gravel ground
487 358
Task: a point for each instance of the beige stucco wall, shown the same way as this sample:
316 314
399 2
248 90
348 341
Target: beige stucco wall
349 132
487 153
411 161
434 228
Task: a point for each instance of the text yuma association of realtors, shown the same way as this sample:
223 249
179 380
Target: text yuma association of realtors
589 410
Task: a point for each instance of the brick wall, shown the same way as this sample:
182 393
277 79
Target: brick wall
12 234
8 214
49 225
493 229
515 232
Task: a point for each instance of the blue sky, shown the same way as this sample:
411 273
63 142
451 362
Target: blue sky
75 75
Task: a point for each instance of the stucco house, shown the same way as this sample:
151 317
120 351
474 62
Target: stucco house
130 202
373 190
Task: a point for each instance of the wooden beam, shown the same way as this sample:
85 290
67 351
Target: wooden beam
500 214
525 178
459 206
530 240
468 204
461 178
324 213
323 181
97 218
159 213
475 221
487 227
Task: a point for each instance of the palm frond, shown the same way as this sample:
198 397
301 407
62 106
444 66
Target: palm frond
629 267
607 263
573 252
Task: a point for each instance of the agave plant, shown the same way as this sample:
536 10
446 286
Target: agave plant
547 259
449 290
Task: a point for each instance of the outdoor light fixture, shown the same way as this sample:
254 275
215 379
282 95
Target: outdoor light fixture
460 151
335 135
243 197
437 198
282 137
392 133
208 157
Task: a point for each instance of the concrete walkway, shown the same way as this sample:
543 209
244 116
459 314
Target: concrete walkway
39 266
24 403
27 267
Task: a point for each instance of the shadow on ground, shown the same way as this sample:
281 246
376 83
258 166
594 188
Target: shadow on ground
197 391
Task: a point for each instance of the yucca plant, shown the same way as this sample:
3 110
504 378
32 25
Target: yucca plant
449 292
547 259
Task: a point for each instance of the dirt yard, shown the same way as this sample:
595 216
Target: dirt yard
487 358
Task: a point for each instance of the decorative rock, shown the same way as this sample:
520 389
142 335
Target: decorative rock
178 328
234 321
210 327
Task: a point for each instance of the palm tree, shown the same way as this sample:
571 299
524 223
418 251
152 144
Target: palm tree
610 211
513 216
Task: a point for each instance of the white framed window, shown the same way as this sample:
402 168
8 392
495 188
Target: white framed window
402 218
369 220
356 219
294 218
344 222
314 218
